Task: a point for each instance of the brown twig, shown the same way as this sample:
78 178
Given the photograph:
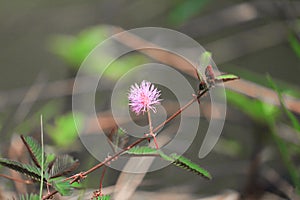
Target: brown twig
83 174
16 179
101 180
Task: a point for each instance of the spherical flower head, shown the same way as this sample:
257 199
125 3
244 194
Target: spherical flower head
143 97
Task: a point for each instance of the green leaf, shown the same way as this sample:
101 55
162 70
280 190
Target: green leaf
75 49
104 197
63 165
63 187
204 62
34 149
49 111
186 10
122 65
259 111
143 150
175 159
64 131
188 165
32 172
226 77
205 59
229 147
29 197
290 115
294 42
260 79
50 158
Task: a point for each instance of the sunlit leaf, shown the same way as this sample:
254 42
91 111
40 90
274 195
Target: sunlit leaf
226 77
205 59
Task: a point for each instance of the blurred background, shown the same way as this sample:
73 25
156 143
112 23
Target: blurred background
44 42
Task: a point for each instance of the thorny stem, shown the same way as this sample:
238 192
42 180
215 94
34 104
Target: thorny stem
141 139
151 129
101 180
77 177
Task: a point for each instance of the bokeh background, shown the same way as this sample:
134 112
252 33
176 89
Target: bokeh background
44 42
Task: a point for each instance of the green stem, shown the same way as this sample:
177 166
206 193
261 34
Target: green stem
42 164
151 128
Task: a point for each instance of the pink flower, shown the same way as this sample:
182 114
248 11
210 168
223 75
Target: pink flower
143 97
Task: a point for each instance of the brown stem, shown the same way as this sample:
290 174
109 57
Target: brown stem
83 174
16 179
50 195
101 180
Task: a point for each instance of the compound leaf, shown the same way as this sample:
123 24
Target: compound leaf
142 151
34 149
32 172
226 77
63 187
188 165
63 165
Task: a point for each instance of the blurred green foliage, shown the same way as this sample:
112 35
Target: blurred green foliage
48 111
229 146
261 80
269 115
286 151
29 197
258 110
64 132
104 197
290 115
294 43
74 49
185 10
